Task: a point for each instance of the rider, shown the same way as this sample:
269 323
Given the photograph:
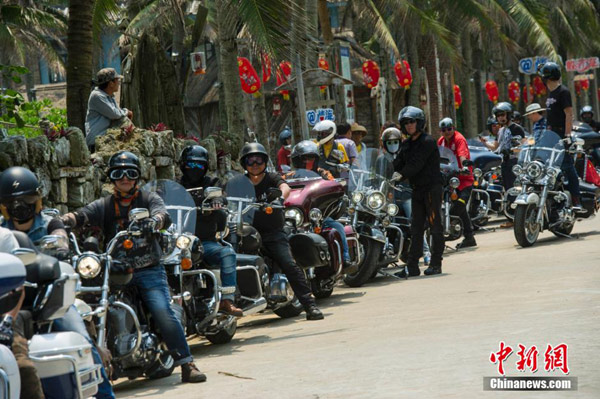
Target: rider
493 126
254 159
305 155
283 155
194 165
587 115
455 141
111 214
331 152
21 205
419 162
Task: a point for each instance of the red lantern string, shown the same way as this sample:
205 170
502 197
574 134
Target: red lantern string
403 74
371 73
248 77
514 92
283 74
491 89
457 97
323 64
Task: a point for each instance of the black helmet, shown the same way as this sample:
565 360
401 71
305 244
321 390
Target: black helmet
251 240
18 181
550 71
252 149
491 121
517 115
411 112
587 109
446 123
124 160
284 135
503 107
194 163
19 194
391 133
302 151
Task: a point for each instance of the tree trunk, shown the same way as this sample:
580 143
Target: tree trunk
430 60
413 60
468 88
230 79
79 60
325 22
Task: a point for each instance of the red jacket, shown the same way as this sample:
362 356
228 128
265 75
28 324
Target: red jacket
283 158
460 148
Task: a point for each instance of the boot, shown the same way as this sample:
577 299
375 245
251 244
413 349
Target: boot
412 272
190 373
226 306
431 270
349 267
313 312
467 242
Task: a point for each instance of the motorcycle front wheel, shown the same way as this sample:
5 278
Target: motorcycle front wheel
526 229
372 249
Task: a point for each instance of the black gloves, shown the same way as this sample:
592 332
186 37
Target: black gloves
149 225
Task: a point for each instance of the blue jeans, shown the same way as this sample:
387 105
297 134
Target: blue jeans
224 256
72 321
334 224
154 290
568 169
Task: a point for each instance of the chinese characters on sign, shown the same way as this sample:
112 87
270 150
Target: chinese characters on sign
555 358
318 115
582 64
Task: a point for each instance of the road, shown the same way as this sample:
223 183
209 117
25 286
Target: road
426 337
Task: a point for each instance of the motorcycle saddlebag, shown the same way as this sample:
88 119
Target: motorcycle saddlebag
309 250
250 268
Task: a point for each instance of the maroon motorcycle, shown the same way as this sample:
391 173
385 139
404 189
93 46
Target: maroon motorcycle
312 208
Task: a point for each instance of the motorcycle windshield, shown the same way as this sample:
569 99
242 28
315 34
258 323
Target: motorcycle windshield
303 174
376 169
550 150
179 203
448 161
240 193
476 144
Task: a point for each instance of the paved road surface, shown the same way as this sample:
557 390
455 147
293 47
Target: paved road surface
427 337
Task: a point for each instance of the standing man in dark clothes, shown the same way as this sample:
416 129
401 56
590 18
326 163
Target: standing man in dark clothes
419 162
559 113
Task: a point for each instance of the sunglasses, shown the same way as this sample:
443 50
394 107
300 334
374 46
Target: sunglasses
195 165
255 160
119 174
408 121
447 129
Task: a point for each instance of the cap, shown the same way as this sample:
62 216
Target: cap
358 128
105 75
533 108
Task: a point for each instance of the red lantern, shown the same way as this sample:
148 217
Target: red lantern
371 73
457 97
514 92
491 89
585 84
527 94
323 64
578 87
403 74
538 86
248 77
283 74
266 67
276 106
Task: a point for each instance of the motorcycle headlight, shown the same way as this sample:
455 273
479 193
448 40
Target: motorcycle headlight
376 200
88 266
183 242
315 215
535 169
477 173
454 182
357 197
392 209
552 172
517 170
295 214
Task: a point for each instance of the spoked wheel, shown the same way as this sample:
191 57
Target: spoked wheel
526 229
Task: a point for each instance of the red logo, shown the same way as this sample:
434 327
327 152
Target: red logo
554 358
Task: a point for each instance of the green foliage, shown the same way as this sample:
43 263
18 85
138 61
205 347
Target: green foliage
28 114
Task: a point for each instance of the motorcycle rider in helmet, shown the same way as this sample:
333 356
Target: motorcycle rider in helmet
111 213
21 206
518 120
456 142
305 156
283 155
254 159
587 115
194 166
419 162
559 115
331 152
493 127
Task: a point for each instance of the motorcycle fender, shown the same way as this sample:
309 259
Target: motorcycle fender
375 235
525 199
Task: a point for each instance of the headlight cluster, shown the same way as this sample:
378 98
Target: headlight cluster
315 215
477 173
454 182
357 197
552 172
517 170
294 214
534 169
392 209
376 200
183 242
88 266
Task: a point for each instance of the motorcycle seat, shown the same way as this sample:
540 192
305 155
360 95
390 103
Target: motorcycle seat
589 188
45 269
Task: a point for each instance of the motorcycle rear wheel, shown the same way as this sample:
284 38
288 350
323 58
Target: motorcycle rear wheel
292 309
318 290
223 336
525 229
368 264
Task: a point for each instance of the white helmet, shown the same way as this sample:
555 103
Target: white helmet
324 131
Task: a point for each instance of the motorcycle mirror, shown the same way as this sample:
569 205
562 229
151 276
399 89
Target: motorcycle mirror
91 244
138 214
213 192
26 255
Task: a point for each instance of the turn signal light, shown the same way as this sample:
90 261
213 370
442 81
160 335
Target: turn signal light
186 263
127 244
454 196
268 210
475 183
318 230
494 177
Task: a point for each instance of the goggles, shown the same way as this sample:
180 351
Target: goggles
255 160
195 165
392 142
118 174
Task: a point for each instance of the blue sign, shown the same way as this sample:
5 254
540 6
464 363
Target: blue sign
315 116
526 66
539 61
311 117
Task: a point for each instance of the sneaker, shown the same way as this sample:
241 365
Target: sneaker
431 270
190 373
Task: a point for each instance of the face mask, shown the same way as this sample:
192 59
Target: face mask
309 164
21 211
393 147
194 176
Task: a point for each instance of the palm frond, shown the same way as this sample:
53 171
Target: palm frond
105 13
371 14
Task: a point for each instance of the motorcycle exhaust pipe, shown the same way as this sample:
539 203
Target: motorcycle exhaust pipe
259 305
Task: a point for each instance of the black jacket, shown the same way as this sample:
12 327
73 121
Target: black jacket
209 223
419 162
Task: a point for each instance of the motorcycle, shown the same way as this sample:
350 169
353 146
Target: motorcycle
258 277
487 195
452 224
589 151
124 325
63 360
544 203
316 248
